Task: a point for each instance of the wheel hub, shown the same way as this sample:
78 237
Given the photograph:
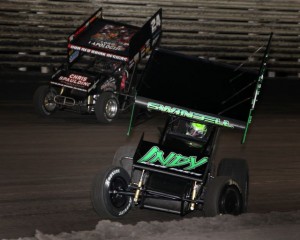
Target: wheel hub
118 200
111 108
230 202
49 103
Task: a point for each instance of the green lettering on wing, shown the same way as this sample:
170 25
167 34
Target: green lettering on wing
189 114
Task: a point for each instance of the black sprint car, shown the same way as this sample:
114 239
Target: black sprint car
99 76
178 174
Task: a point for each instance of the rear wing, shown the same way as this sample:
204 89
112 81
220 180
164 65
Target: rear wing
201 90
113 39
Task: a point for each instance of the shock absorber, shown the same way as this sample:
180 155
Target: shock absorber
194 193
139 187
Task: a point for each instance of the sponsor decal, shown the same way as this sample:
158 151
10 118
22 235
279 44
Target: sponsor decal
68 86
154 41
107 45
131 63
188 114
75 79
127 207
155 23
173 160
92 51
257 90
112 37
254 100
110 176
73 55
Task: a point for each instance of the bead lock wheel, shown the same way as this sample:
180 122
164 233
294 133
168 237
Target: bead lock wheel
111 108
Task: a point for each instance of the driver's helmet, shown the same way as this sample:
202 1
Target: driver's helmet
196 129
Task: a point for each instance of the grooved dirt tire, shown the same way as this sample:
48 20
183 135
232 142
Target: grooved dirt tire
107 203
237 169
107 107
222 196
43 101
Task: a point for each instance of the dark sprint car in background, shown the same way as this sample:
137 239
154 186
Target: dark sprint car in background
178 174
100 74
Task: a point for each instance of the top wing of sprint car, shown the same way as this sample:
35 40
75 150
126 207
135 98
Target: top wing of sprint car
113 39
200 90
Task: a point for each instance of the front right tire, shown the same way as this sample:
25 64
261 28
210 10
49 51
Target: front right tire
107 107
222 196
43 101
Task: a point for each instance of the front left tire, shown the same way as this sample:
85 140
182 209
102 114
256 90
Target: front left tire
106 200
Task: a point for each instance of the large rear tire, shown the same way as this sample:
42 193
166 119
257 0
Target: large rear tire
237 169
107 107
43 101
123 158
105 199
223 196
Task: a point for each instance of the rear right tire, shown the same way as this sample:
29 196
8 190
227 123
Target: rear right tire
237 169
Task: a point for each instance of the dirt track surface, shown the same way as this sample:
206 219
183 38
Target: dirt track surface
47 166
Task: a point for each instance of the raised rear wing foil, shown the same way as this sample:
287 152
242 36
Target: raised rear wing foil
200 90
116 40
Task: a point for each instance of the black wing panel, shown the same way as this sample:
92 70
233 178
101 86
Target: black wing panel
201 90
198 84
